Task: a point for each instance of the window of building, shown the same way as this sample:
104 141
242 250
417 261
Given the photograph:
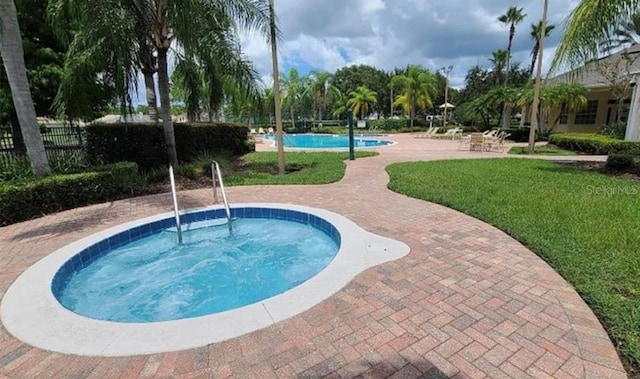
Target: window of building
588 115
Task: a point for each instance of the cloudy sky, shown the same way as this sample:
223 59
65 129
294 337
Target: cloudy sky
329 34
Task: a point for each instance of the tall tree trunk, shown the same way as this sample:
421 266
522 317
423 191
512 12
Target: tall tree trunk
276 88
165 105
512 32
13 59
536 89
293 119
412 109
16 134
534 57
150 90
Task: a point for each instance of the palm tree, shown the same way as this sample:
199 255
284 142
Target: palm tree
293 89
360 101
418 89
13 59
161 22
536 33
273 39
588 27
513 17
319 88
499 59
555 99
626 34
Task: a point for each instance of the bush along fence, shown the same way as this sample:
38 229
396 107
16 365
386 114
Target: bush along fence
139 143
144 143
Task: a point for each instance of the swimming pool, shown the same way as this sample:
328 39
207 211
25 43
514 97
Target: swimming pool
328 141
31 312
154 279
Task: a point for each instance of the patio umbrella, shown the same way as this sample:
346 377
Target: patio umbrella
446 105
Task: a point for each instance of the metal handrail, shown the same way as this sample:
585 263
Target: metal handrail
174 195
216 176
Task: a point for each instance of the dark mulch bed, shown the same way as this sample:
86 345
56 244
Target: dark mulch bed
599 167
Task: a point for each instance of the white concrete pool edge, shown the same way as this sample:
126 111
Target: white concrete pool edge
30 312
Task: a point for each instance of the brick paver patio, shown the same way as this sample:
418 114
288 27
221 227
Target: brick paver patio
468 301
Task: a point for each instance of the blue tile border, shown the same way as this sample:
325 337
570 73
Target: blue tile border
86 256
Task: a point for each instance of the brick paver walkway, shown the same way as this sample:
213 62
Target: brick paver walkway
468 301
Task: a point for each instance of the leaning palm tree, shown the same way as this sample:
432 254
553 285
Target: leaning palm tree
13 60
536 33
512 18
588 27
361 100
418 86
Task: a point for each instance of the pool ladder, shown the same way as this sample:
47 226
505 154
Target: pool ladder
176 210
216 176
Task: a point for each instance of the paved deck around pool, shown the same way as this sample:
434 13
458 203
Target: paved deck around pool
468 301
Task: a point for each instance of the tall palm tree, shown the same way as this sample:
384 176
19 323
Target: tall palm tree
320 88
418 86
293 88
512 17
273 39
361 100
13 59
499 59
536 33
588 27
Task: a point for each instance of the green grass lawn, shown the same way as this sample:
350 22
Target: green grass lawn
541 150
302 168
584 224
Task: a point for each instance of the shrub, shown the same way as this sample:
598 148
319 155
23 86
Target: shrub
593 143
17 169
144 143
387 124
139 143
628 161
198 138
615 130
23 200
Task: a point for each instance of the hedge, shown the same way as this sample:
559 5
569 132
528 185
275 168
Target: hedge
628 161
387 124
592 143
144 143
24 200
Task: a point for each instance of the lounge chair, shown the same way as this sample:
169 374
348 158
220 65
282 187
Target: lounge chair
434 132
498 142
426 134
451 133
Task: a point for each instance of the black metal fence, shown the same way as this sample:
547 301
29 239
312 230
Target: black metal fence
61 142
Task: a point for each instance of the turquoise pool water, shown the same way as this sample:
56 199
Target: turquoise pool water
328 141
154 279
